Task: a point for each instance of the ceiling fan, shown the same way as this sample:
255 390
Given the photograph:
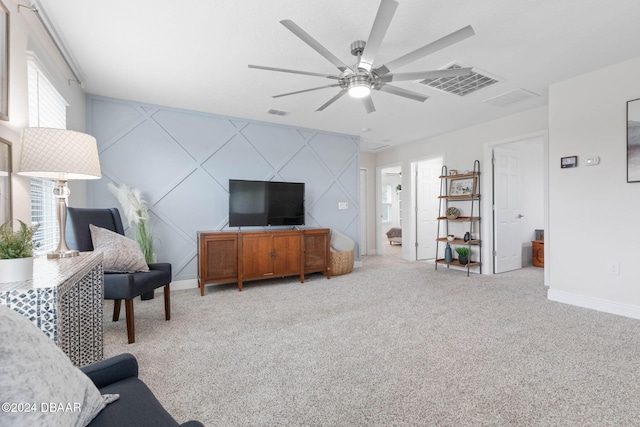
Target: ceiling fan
359 79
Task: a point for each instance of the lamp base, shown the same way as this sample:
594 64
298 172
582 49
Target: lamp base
64 254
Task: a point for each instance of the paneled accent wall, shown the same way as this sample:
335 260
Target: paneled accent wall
182 160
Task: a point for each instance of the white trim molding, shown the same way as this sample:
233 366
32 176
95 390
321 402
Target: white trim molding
607 306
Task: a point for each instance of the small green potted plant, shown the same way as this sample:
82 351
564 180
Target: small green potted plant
463 255
16 252
452 212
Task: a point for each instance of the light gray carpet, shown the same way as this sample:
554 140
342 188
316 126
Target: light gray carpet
395 343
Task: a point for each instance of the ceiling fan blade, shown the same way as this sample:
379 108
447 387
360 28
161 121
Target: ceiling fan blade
295 29
403 92
368 104
380 25
332 100
305 90
421 75
430 48
286 70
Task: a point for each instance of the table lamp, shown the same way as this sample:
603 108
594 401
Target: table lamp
62 155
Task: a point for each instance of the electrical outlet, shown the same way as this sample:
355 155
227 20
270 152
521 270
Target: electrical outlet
343 205
614 268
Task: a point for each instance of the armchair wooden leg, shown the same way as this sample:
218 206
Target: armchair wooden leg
116 309
128 307
167 303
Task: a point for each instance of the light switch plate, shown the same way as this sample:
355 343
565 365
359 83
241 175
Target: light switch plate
569 162
592 161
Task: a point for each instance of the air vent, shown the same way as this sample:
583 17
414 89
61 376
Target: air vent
463 85
278 112
510 98
372 146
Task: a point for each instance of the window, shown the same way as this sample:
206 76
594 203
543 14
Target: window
386 203
47 108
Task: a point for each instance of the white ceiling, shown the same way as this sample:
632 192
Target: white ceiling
194 54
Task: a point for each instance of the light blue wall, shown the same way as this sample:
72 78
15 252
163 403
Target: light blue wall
182 160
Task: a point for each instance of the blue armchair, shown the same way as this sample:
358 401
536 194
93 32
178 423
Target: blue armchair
137 406
117 286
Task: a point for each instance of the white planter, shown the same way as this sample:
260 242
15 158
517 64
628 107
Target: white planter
16 270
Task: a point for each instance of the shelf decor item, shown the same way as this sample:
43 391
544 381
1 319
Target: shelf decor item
463 186
452 212
451 237
463 255
448 254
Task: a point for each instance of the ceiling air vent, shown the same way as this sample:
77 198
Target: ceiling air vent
278 112
372 146
463 85
510 98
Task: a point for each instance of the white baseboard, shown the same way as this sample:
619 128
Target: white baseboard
179 285
607 306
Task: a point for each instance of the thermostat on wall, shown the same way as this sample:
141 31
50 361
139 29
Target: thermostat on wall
569 162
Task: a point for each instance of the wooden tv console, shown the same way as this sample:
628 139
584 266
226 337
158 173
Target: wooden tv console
229 256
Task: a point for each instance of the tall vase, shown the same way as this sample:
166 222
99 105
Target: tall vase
448 254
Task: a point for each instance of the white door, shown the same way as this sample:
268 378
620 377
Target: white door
427 192
507 215
363 211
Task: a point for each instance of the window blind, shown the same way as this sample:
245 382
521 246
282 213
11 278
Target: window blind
47 108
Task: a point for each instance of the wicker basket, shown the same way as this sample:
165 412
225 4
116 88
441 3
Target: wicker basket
341 262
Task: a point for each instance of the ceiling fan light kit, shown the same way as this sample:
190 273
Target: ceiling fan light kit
361 78
359 86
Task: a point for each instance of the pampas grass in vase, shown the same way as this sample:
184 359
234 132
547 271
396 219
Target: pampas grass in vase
137 213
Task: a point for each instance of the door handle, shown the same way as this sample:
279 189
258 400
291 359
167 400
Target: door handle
520 216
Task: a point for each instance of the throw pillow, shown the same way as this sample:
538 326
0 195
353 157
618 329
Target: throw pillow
340 242
121 254
40 385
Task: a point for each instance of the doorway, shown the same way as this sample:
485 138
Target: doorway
390 218
427 189
518 176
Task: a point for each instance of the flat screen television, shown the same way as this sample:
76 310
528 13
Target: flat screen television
263 203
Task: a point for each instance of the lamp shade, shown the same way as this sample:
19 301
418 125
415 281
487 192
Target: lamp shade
59 154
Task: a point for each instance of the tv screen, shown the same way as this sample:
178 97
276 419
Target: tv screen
262 203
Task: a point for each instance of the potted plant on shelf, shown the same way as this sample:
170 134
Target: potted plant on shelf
452 212
16 252
463 255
